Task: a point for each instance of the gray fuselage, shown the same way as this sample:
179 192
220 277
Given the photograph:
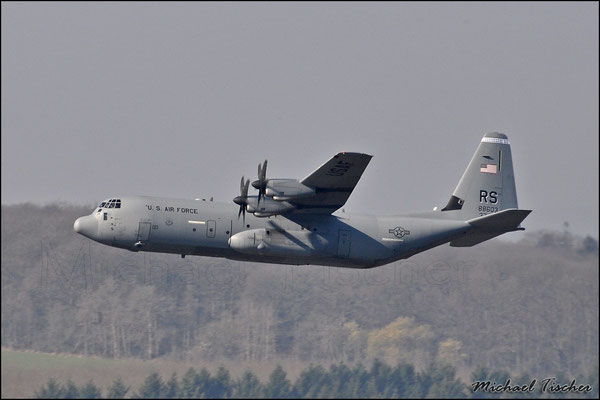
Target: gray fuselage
294 223
207 228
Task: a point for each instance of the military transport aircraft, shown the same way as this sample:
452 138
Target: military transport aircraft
293 221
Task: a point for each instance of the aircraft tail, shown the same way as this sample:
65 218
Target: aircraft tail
488 184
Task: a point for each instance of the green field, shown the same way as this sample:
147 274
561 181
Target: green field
24 372
28 360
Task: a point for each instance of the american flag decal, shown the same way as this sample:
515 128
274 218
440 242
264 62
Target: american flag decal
488 168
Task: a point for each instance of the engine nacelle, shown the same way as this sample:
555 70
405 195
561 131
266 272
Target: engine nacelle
276 243
287 189
267 206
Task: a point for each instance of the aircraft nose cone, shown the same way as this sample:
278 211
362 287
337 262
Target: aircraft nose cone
86 226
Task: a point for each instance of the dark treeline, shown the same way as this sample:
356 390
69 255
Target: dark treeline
528 307
340 381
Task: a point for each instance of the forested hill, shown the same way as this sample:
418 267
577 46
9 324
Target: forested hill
529 307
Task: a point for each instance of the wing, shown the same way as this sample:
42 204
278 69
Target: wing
333 183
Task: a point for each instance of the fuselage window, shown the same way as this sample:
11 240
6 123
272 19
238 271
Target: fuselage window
105 216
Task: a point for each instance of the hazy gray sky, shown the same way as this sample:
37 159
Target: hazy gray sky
181 99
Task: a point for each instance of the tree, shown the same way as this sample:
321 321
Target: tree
278 385
359 384
248 386
189 383
401 340
308 384
379 378
337 378
589 245
90 391
355 343
202 383
117 390
443 382
71 391
403 382
500 376
450 352
52 390
152 388
220 385
480 374
171 389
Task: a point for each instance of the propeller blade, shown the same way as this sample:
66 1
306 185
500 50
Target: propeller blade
263 173
242 199
245 189
261 184
242 212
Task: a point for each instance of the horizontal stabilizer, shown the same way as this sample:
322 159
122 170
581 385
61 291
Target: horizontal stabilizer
490 226
506 220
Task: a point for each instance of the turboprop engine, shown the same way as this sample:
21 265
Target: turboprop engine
287 189
267 206
273 195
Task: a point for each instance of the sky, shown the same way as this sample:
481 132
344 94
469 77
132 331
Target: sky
182 99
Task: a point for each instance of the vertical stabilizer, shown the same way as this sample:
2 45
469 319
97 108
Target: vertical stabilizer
488 183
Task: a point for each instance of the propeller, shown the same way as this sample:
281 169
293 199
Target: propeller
261 183
242 199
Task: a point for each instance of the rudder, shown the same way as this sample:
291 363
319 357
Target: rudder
488 184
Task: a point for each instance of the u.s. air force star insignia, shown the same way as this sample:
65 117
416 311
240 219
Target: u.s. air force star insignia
399 232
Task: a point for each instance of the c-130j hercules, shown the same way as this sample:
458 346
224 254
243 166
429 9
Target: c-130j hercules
292 221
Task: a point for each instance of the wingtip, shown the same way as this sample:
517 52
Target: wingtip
341 153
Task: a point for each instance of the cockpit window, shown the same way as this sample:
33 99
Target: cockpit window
111 203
